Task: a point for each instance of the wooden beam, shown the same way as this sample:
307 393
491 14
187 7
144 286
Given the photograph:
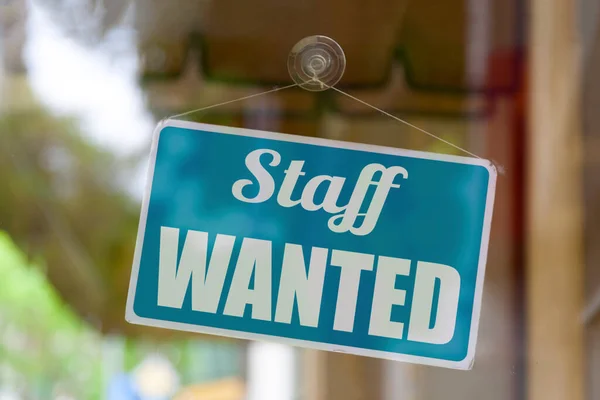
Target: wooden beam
555 227
333 376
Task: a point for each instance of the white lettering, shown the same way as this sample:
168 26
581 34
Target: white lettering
422 304
386 295
329 203
255 256
307 289
344 216
266 185
352 211
294 171
303 285
173 280
352 264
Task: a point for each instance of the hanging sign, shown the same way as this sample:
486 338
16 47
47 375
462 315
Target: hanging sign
316 243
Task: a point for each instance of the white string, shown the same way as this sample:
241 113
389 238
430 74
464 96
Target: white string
405 122
387 114
233 101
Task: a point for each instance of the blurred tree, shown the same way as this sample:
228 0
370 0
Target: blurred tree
60 199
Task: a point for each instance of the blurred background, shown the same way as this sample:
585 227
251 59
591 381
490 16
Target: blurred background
83 82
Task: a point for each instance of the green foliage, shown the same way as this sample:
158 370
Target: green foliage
45 345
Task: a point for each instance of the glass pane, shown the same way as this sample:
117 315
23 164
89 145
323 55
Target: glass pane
83 84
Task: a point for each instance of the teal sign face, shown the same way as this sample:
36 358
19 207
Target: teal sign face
335 246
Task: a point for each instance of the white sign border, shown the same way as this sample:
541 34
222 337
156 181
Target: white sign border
465 364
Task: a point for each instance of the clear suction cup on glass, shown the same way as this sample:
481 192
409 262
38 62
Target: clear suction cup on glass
316 63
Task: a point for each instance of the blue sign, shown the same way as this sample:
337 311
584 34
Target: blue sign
322 244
